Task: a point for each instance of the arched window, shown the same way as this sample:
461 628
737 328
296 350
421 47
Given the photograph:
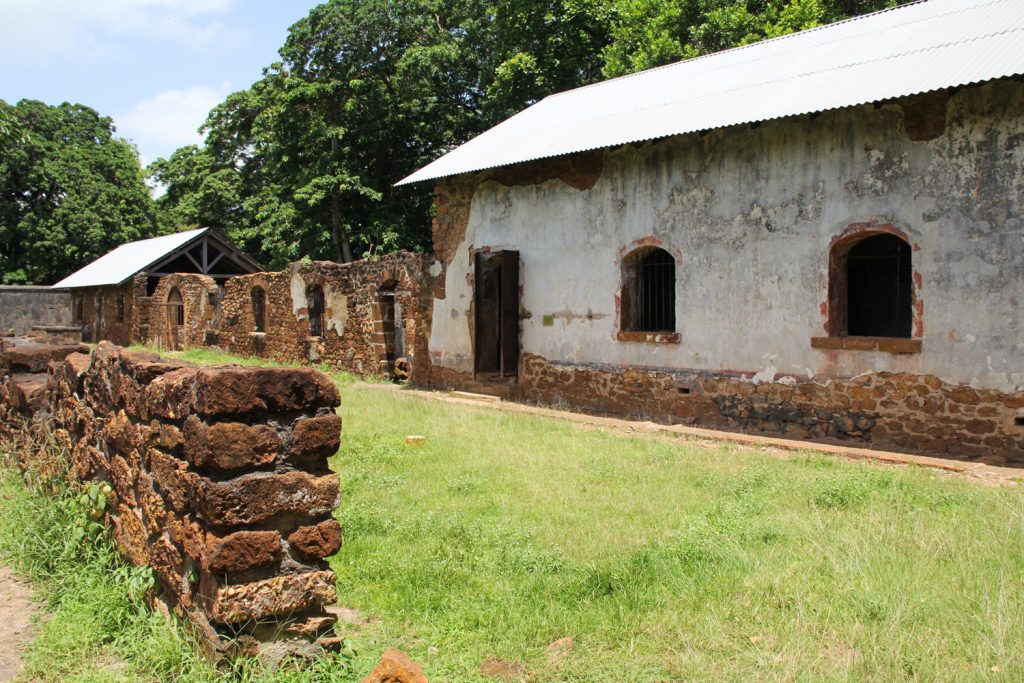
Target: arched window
176 307
648 301
871 287
259 309
315 308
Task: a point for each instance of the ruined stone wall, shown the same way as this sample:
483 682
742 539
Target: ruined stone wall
201 299
750 215
107 313
353 337
284 337
22 308
219 479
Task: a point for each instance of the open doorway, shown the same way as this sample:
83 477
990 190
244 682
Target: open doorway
393 326
496 300
175 319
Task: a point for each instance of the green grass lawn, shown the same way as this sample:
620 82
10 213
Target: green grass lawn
663 559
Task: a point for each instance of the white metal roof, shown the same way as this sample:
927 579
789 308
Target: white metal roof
916 48
122 263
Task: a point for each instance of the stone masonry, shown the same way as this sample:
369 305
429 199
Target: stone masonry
219 479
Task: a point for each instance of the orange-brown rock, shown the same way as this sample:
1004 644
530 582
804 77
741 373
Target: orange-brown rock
317 541
256 498
272 597
396 667
27 393
316 437
241 550
229 445
35 358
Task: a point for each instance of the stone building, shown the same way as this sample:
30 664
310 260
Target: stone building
818 235
364 317
112 298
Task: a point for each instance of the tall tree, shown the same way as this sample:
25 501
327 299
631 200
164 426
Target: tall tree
69 191
366 91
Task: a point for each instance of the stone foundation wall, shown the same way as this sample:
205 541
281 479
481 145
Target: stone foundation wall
895 411
219 479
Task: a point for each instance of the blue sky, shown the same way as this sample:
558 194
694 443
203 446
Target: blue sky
155 66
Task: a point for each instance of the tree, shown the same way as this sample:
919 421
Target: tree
366 91
69 192
650 33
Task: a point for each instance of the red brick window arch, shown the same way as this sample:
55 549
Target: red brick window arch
871 286
648 296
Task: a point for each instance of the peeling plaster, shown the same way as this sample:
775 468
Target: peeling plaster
750 216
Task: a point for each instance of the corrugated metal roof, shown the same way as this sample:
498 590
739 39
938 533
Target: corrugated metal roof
893 53
127 260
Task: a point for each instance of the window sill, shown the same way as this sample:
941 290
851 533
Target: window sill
257 334
649 337
882 344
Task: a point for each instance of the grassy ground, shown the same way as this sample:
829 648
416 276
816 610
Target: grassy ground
666 560
662 560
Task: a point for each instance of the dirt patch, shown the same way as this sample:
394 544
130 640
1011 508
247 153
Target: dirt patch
16 626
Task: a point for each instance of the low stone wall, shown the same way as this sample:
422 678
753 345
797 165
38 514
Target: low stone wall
22 308
219 479
896 411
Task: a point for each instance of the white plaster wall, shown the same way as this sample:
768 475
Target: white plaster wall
750 215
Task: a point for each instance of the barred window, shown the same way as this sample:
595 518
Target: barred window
871 287
648 302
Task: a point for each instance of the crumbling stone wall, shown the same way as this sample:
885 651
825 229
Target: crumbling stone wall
201 298
284 338
219 479
107 313
353 338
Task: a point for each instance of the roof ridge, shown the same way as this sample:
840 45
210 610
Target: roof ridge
757 43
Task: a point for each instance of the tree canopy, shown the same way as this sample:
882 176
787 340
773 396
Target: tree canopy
69 191
366 91
303 162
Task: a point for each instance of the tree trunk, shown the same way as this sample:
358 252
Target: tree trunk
339 240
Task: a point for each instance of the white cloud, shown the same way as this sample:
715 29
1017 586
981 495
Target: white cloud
169 119
33 30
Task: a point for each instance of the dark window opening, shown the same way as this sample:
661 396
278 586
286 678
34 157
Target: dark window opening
879 288
1018 421
176 314
80 308
315 308
259 309
120 308
648 301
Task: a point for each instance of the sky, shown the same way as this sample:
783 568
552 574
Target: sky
155 66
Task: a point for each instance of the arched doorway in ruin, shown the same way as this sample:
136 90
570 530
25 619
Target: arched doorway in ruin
175 319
